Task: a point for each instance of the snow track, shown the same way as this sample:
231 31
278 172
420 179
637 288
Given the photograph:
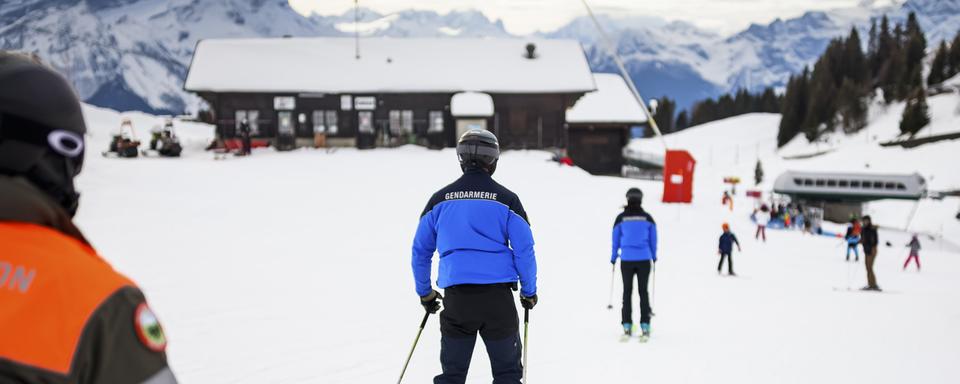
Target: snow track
295 268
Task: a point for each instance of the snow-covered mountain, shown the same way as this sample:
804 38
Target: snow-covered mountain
466 23
134 54
688 64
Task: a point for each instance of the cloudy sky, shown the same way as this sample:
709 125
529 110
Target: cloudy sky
526 16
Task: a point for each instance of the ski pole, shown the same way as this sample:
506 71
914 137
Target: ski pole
613 276
526 326
423 324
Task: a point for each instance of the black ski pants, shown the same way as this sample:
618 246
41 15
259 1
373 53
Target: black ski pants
491 311
642 270
729 258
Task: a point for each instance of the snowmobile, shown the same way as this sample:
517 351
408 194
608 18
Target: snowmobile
124 143
164 142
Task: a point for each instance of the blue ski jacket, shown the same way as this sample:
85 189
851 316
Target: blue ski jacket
727 239
634 236
481 232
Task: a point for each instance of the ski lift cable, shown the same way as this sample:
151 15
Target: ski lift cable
611 50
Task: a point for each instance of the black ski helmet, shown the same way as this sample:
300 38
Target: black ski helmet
41 128
478 148
634 194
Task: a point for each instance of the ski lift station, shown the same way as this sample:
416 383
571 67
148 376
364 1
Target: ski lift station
382 92
843 194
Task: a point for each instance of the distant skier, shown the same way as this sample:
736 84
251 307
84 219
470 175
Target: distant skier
727 240
852 238
635 243
482 234
245 137
914 252
762 218
870 240
727 200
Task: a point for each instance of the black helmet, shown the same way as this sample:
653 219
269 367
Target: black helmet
478 148
634 194
41 128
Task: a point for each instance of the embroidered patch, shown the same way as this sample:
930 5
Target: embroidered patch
148 329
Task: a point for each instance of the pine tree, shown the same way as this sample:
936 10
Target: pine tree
854 63
916 115
822 109
872 43
885 46
891 75
852 106
682 121
758 173
938 69
664 114
915 43
793 109
953 60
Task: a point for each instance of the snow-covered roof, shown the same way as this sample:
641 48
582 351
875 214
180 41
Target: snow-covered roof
388 65
474 104
612 102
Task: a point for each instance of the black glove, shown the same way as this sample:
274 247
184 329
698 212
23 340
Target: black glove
431 302
528 302
613 262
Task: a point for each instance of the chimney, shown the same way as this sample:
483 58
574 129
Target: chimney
531 51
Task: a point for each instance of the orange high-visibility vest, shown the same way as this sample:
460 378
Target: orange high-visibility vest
50 285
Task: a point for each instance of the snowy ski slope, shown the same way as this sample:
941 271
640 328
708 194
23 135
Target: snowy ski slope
295 268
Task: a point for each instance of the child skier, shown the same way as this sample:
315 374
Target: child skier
635 242
763 218
914 252
853 239
727 239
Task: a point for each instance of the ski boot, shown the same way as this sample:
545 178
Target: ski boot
627 332
645 335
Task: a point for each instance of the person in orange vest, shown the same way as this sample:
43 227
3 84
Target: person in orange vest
66 316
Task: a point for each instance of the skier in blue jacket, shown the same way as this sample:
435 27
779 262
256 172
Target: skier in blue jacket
725 249
635 243
481 232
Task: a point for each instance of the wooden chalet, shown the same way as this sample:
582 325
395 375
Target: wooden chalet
599 125
311 91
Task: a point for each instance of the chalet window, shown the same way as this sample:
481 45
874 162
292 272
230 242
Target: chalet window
303 129
331 122
831 183
401 122
901 187
890 185
406 122
285 123
798 181
821 182
878 184
867 184
808 182
251 116
844 183
436 122
325 122
365 122
855 184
